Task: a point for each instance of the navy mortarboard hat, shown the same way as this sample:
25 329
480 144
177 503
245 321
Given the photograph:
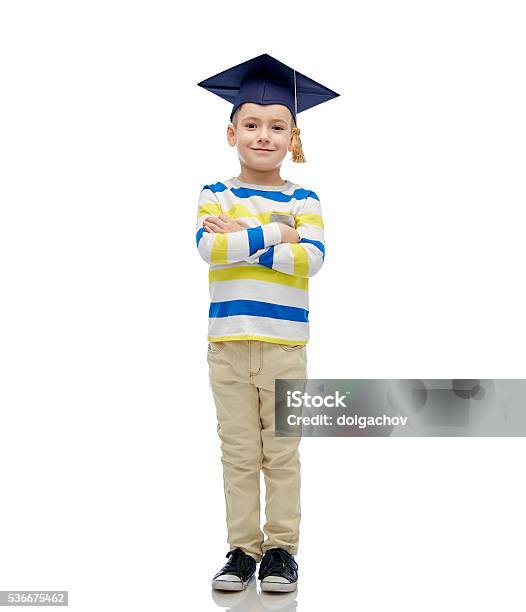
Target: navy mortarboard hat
264 80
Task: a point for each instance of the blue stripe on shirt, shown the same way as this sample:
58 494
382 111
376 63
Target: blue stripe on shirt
258 309
267 258
316 243
199 234
215 188
256 239
277 196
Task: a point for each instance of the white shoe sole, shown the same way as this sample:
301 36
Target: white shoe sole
279 587
230 585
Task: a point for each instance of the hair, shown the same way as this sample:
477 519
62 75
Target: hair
234 117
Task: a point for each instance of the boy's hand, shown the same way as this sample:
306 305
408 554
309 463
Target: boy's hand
222 224
288 234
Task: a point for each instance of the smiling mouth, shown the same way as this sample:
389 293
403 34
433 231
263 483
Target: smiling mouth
267 150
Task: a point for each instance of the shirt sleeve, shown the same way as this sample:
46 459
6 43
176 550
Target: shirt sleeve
218 248
305 258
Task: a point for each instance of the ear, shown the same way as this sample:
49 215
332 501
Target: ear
231 134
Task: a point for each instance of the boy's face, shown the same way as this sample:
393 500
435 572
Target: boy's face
263 134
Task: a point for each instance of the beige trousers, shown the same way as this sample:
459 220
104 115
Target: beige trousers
242 374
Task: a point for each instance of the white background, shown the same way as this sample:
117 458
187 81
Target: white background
111 483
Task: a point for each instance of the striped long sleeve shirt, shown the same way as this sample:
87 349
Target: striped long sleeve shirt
259 286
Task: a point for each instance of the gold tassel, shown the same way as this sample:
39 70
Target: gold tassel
297 149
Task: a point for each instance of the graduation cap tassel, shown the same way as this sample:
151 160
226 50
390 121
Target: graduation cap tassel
297 147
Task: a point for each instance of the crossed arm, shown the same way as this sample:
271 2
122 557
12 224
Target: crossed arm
223 240
223 224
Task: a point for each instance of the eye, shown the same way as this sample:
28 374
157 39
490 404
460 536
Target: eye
250 125
278 127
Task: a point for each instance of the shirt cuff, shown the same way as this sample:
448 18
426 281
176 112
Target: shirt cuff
272 233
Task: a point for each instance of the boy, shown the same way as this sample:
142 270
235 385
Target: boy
263 238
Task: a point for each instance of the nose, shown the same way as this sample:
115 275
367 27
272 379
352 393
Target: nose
263 136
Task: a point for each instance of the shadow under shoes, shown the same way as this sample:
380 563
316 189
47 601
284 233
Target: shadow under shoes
278 571
236 573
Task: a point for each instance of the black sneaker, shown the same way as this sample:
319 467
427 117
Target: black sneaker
278 571
236 573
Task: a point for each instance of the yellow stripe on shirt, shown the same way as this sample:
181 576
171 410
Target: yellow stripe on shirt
254 337
301 260
209 209
257 272
309 220
219 254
